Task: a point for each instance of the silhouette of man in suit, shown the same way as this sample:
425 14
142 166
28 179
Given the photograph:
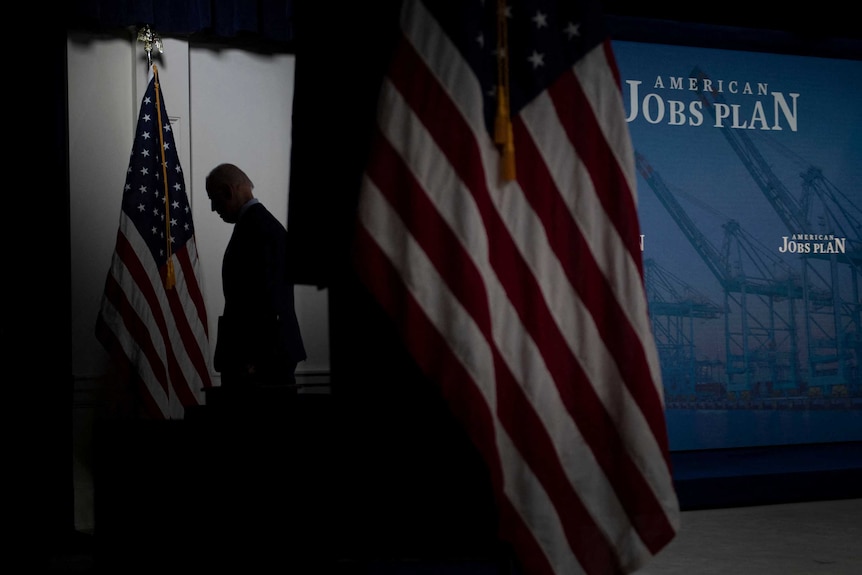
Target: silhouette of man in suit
259 342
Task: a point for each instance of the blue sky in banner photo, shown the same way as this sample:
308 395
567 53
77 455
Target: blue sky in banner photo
698 164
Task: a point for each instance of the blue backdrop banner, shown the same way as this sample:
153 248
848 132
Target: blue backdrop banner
750 199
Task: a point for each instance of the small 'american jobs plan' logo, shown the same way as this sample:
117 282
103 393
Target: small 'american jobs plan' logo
812 244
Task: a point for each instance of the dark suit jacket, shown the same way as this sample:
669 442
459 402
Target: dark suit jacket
259 325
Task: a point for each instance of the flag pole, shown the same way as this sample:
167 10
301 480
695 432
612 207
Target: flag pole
503 135
152 40
169 278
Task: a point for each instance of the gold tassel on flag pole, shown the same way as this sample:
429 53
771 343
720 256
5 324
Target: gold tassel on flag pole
151 40
503 134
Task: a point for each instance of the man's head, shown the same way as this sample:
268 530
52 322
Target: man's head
228 188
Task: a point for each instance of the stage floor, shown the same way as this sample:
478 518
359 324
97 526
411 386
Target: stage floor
809 538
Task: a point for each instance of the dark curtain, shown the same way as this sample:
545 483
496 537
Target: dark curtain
266 20
341 58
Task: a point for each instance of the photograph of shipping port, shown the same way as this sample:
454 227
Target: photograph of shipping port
751 213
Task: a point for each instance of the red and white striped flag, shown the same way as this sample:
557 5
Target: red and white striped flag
513 271
153 317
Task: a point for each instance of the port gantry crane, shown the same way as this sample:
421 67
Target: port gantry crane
832 309
759 292
674 306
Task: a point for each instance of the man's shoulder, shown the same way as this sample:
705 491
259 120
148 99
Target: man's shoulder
263 219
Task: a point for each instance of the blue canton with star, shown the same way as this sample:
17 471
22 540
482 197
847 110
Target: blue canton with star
545 38
160 224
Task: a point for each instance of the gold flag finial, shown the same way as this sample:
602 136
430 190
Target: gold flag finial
151 40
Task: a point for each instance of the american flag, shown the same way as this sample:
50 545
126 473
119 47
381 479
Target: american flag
524 298
153 317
